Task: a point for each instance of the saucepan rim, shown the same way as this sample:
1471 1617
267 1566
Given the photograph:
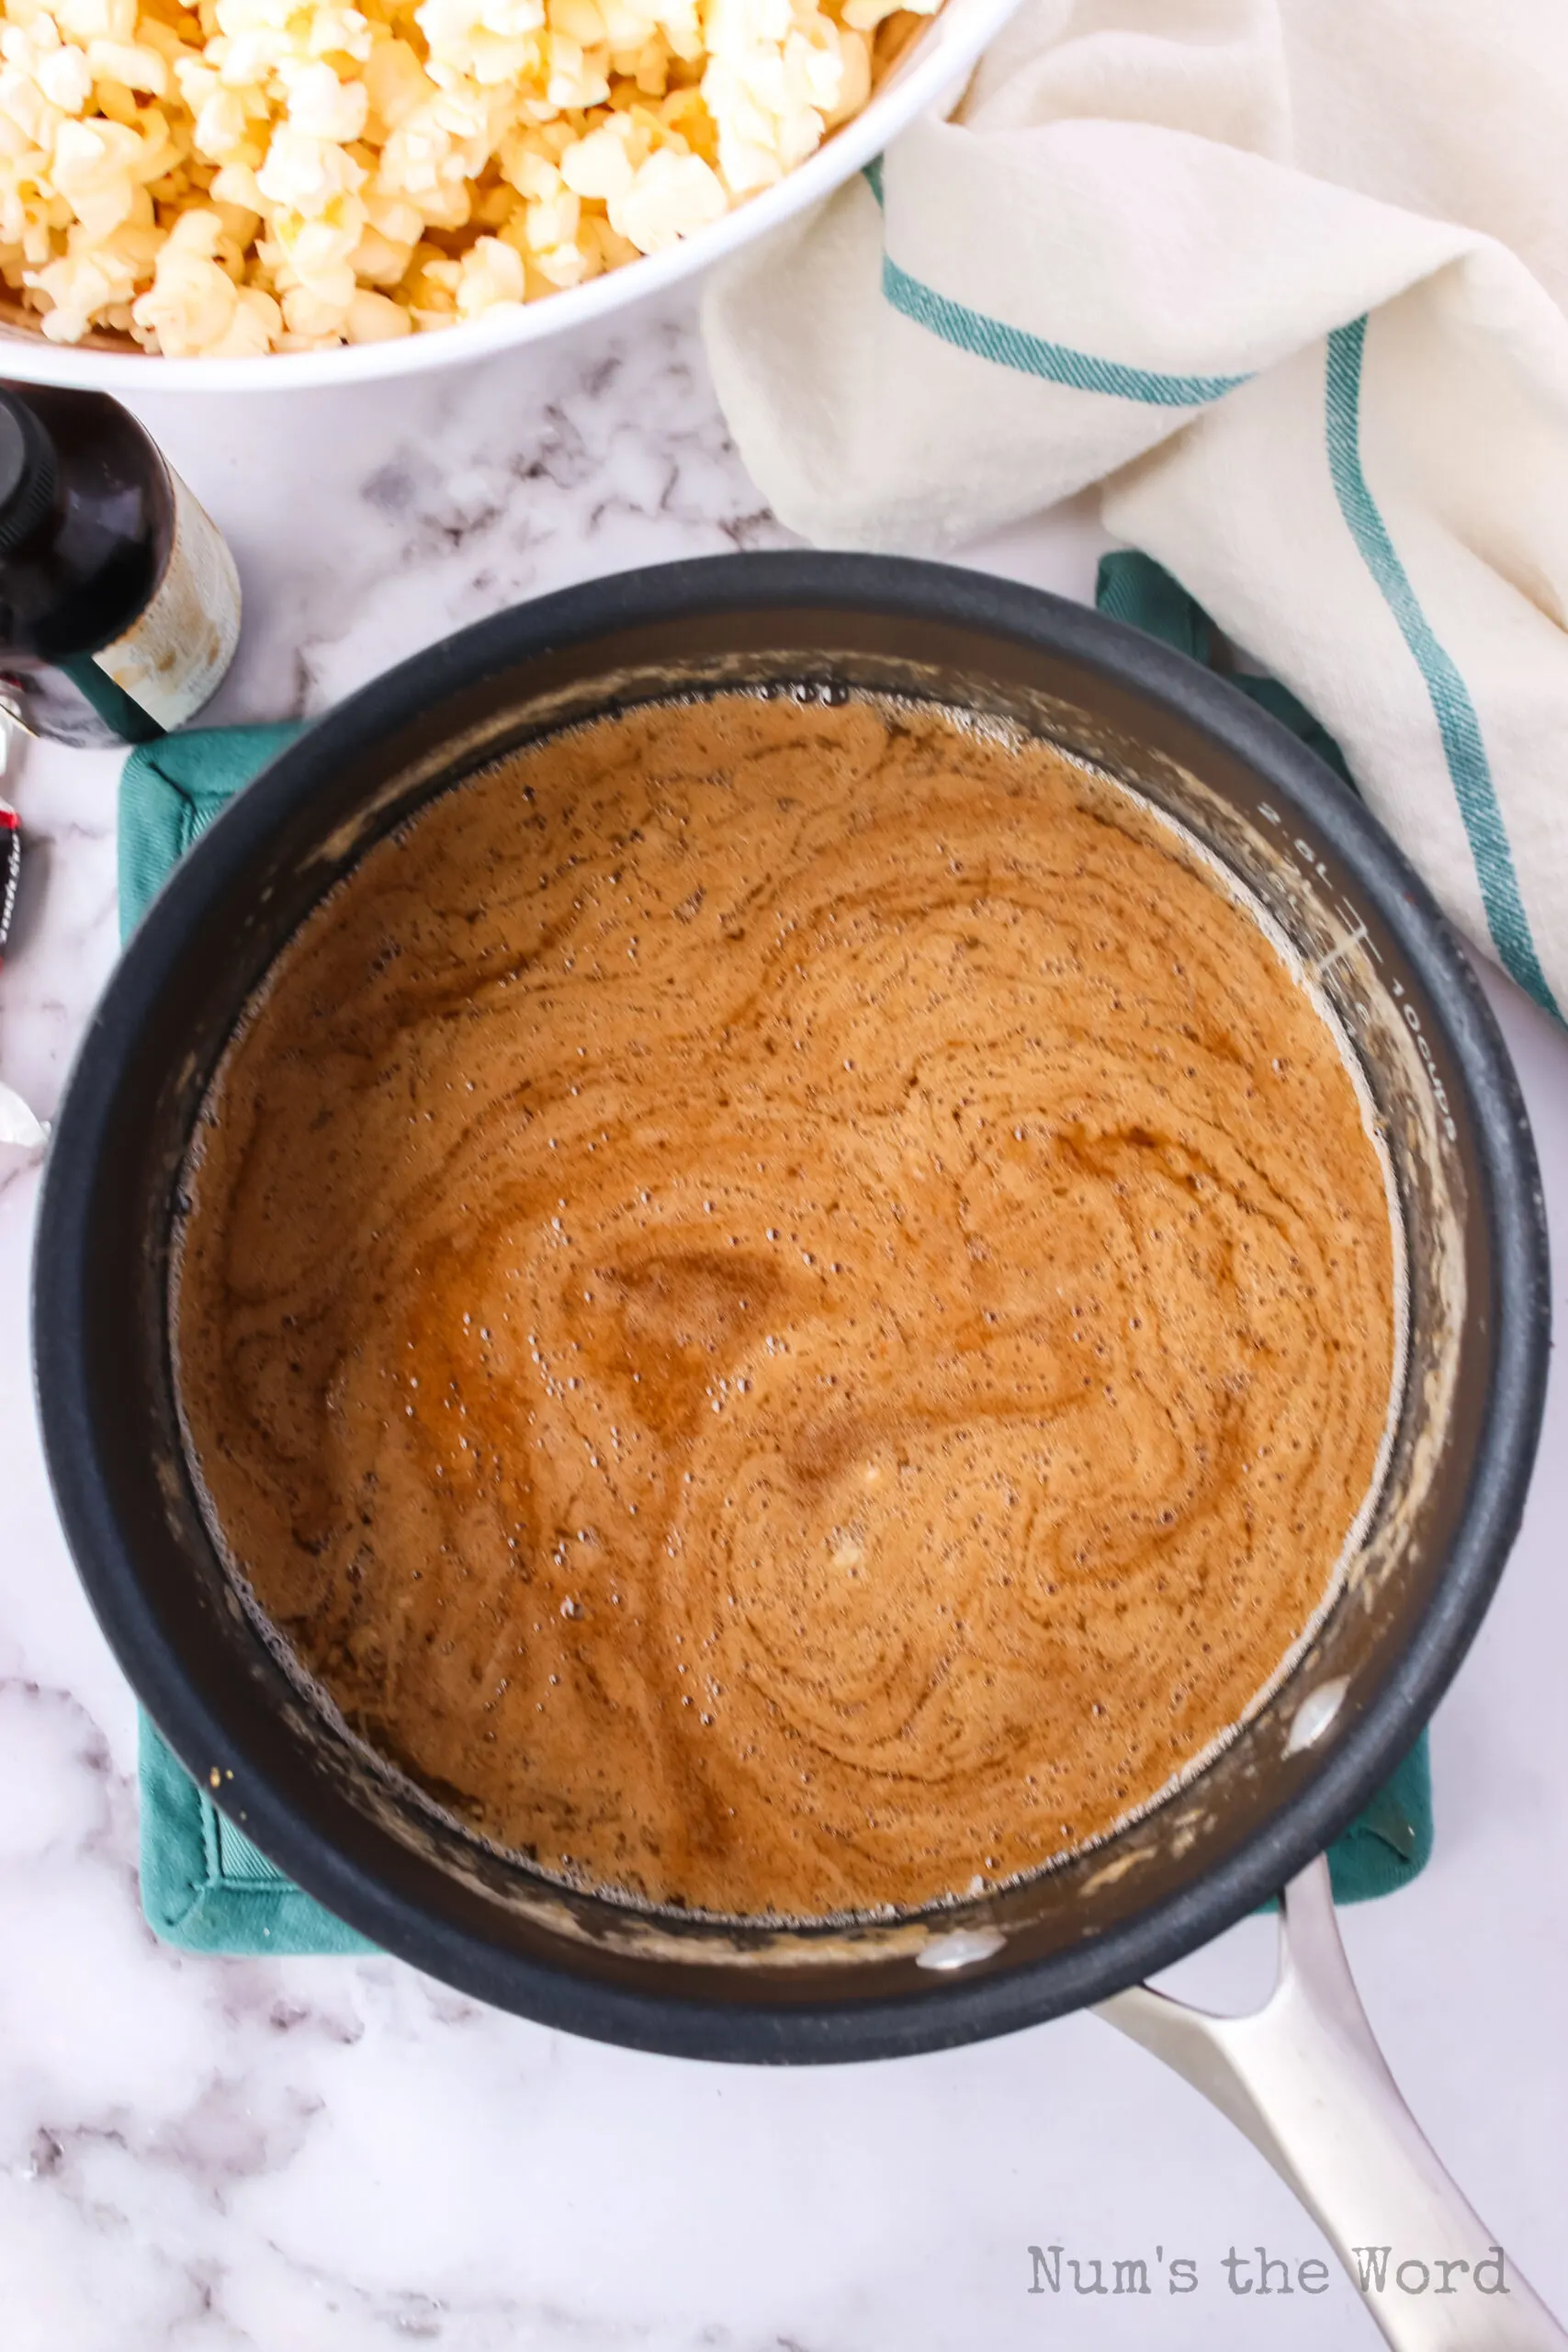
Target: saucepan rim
1511 1209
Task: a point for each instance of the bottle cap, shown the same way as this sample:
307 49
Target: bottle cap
27 472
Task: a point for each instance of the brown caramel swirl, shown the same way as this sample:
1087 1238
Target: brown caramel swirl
788 1305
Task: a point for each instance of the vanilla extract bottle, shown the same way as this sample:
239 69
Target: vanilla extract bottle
120 604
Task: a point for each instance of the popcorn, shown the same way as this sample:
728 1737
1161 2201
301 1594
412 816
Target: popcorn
395 83
193 308
775 76
490 275
306 175
321 106
83 285
564 265
670 195
551 221
313 251
599 165
128 62
319 312
229 178
221 125
380 260
65 74
375 318
94 167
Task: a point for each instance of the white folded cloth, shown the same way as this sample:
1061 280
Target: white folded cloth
1287 276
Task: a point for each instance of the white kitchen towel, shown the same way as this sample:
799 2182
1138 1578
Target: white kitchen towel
1288 278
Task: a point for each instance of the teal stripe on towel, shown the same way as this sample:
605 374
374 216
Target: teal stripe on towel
1465 748
1033 355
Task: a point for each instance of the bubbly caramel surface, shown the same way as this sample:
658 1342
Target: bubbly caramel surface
788 1305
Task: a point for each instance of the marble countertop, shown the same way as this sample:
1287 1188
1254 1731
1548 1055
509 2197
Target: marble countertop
208 2156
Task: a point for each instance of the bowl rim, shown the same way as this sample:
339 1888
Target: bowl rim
929 74
992 2000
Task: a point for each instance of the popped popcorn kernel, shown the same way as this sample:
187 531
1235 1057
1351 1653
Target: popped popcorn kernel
375 318
317 312
94 167
321 106
489 273
191 303
128 62
670 195
65 75
598 165
84 21
223 178
395 83
305 173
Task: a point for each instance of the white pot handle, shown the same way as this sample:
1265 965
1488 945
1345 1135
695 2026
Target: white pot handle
1306 2082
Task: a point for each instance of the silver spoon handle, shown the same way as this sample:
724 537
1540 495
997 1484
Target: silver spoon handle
1304 2079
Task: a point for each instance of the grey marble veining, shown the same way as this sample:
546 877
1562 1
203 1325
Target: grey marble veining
451 497
293 2155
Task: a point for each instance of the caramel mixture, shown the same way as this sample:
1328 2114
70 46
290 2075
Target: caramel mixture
788 1305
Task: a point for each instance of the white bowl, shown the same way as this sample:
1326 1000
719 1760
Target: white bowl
930 74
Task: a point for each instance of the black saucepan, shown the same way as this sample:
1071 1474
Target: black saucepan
1476 1279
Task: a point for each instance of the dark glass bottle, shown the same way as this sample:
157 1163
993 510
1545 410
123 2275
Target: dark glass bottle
120 605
